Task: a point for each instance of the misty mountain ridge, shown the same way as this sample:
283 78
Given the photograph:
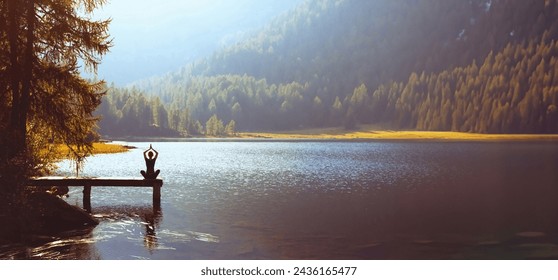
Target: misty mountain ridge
344 62
342 30
153 40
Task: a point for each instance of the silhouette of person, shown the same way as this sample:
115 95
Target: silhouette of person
150 156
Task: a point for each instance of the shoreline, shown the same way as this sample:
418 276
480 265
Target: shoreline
104 147
365 133
110 148
389 135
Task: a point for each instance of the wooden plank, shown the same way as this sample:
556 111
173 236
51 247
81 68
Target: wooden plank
87 183
94 182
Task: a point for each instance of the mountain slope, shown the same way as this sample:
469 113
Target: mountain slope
335 62
377 41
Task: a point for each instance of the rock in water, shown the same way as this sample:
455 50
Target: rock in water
49 214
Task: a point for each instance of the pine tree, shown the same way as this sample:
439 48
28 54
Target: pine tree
45 95
318 112
230 129
336 111
214 126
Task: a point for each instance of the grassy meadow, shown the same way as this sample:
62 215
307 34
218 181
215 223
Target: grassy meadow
377 133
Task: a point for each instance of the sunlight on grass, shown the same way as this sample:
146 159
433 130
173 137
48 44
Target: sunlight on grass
107 148
98 148
370 132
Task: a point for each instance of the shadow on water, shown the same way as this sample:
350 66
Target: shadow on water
81 244
424 225
470 210
69 245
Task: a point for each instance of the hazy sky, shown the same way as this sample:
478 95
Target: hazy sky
155 37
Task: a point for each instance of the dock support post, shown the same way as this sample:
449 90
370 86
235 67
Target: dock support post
156 196
87 198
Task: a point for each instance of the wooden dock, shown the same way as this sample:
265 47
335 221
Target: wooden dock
88 183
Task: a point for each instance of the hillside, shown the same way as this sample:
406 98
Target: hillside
474 66
152 39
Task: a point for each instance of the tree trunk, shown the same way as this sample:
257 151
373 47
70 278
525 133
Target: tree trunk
21 70
27 71
14 67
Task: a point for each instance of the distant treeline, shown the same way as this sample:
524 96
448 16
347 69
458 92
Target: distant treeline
514 91
475 66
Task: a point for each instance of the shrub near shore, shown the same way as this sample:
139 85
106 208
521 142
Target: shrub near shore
63 152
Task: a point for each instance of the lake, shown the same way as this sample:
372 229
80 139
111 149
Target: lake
321 200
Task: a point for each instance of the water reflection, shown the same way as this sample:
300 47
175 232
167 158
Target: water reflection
77 247
72 245
151 222
122 217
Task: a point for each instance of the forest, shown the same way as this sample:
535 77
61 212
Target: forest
485 66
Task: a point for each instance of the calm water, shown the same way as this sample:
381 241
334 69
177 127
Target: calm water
322 200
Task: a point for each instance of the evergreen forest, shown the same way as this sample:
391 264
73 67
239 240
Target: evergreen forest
483 66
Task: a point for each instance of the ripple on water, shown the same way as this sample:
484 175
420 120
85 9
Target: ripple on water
365 190
187 236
